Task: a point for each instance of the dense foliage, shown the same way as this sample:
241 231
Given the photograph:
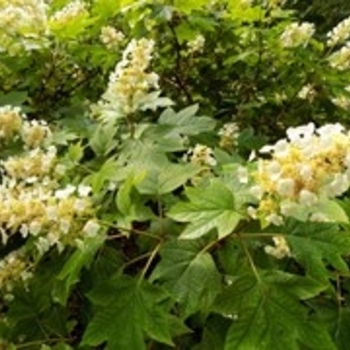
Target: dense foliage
174 174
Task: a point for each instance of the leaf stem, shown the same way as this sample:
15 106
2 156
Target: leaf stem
129 230
255 235
250 259
149 261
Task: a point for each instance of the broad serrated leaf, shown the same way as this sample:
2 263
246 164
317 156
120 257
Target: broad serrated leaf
166 179
268 315
103 139
15 98
315 245
106 172
336 317
189 274
69 275
126 311
209 207
186 122
214 334
125 198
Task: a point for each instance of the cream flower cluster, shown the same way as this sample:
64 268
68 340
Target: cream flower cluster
297 34
35 201
228 135
13 268
55 217
340 33
36 165
34 133
69 13
307 92
201 155
280 249
10 122
111 37
14 125
341 58
25 18
306 170
130 83
197 44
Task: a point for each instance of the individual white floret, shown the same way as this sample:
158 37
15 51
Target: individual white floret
340 33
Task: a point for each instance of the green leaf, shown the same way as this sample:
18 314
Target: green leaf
69 275
125 311
125 199
266 314
334 211
316 245
188 6
189 274
166 179
105 8
214 334
130 203
75 152
15 98
103 140
336 317
185 122
107 172
209 207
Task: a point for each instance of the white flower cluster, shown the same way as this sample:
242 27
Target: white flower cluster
34 166
307 92
309 168
340 33
69 13
14 125
228 135
32 200
343 100
111 37
24 18
201 155
341 58
10 122
297 34
34 133
281 248
130 83
13 268
197 44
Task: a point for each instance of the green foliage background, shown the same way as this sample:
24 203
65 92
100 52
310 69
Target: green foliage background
178 262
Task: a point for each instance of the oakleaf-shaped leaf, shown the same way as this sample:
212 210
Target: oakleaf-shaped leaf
266 315
189 274
166 179
315 245
69 275
125 312
209 207
185 122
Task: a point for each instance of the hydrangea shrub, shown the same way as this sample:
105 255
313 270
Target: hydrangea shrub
173 175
